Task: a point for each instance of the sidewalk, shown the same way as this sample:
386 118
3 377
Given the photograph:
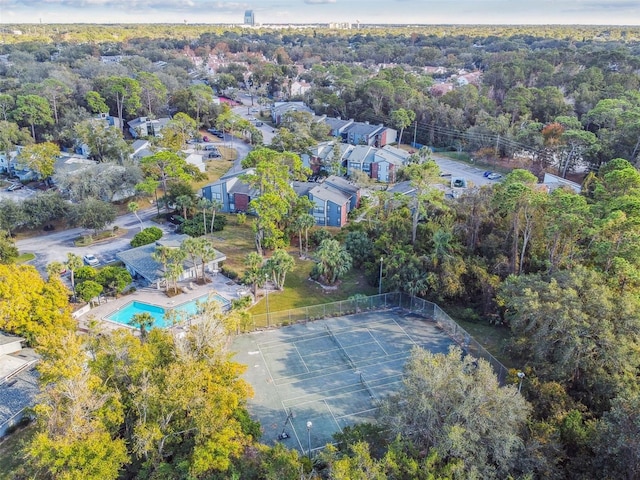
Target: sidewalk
220 284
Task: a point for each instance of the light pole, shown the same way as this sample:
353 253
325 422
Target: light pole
521 377
266 290
309 425
380 282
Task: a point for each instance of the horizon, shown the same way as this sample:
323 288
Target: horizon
318 12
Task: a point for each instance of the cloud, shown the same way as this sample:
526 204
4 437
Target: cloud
318 2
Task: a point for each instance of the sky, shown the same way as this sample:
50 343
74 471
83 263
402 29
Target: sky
590 12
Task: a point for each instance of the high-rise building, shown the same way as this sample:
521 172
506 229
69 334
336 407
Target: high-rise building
249 18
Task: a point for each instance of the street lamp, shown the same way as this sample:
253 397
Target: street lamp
266 279
521 377
309 425
380 282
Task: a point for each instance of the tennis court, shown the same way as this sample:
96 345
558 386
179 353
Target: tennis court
329 372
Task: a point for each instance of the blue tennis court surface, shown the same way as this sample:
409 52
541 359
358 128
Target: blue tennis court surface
329 372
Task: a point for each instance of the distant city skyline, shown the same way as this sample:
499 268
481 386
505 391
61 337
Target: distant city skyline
570 12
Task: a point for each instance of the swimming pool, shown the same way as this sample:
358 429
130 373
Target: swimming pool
182 311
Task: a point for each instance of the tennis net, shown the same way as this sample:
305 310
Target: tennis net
341 348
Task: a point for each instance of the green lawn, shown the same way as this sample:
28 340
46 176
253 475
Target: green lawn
491 337
300 291
10 455
25 257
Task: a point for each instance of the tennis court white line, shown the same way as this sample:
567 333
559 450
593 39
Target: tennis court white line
293 428
332 415
405 332
376 340
266 365
319 333
321 398
286 380
359 413
301 359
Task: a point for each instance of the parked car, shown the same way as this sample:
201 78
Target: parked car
15 186
211 147
259 123
205 138
494 176
459 183
216 132
214 154
487 173
91 260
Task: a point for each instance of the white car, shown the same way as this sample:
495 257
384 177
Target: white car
91 260
494 176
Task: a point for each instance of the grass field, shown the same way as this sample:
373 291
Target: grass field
491 337
10 456
236 241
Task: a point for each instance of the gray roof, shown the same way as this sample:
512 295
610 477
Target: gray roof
403 188
342 184
139 258
240 187
280 108
161 122
362 154
229 175
337 123
17 394
394 156
303 188
360 128
5 339
328 193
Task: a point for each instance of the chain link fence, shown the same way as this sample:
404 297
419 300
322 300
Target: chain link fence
428 310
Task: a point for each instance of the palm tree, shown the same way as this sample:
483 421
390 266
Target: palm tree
253 273
74 262
306 221
175 266
215 206
203 205
161 255
185 202
279 265
133 207
333 260
206 252
191 249
54 269
144 321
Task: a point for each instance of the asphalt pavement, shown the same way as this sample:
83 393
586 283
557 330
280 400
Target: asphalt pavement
54 246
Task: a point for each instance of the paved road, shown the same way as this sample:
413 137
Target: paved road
54 246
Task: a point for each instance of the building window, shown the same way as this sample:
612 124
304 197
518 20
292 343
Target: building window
318 209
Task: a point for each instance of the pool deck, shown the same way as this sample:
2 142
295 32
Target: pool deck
220 284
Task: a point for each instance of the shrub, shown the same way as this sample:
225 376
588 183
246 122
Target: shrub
229 273
88 290
146 236
194 227
317 236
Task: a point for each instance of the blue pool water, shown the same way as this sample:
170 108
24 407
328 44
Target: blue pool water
182 311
